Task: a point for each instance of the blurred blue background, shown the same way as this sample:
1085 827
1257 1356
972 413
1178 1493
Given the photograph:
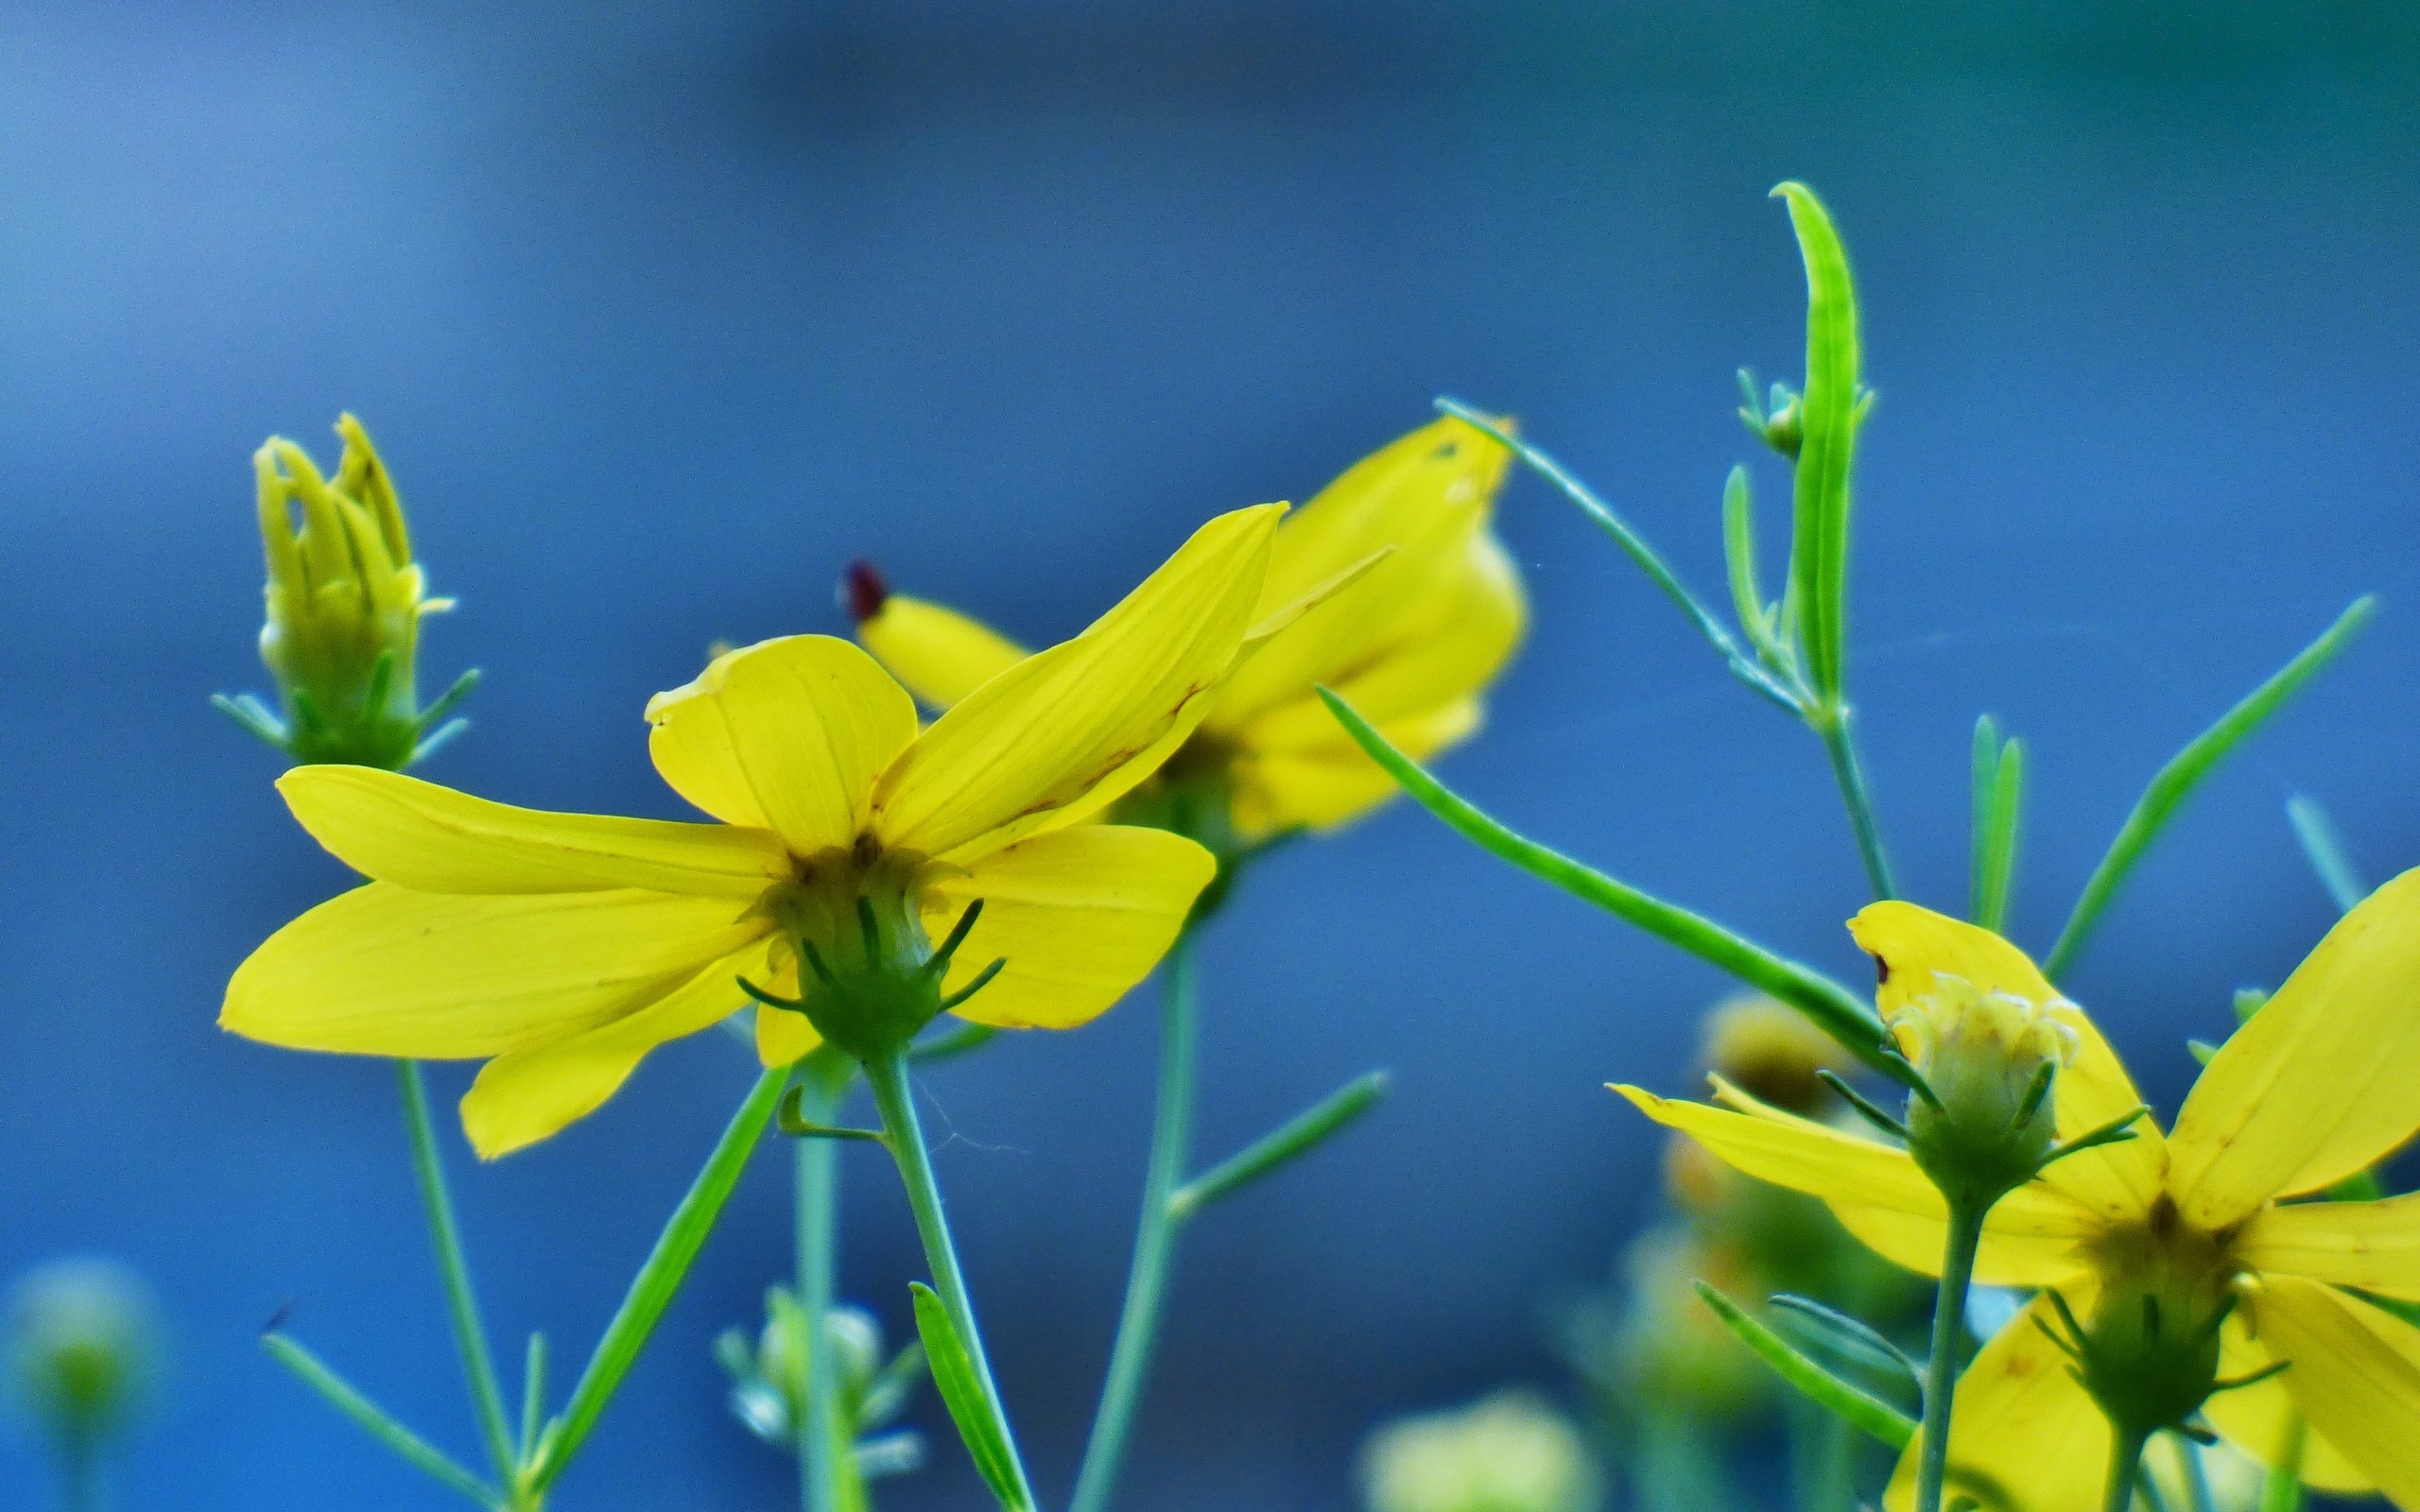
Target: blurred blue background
663 312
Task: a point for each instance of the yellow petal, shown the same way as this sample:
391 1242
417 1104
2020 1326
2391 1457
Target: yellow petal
1318 786
2355 1372
529 1095
1911 945
433 839
782 1035
1420 500
939 654
2261 1419
2023 1436
383 970
786 735
1070 729
2009 1257
1440 658
2374 1245
1079 914
1805 1155
2326 1078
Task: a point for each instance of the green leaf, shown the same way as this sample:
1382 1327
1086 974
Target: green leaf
1999 795
1291 1140
1830 407
375 1420
1847 1339
961 1389
2175 782
2325 845
1634 546
1840 1013
659 1278
1858 1409
1739 557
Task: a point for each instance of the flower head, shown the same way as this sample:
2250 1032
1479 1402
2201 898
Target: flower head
1509 1453
84 1349
1412 643
345 601
2174 1271
863 875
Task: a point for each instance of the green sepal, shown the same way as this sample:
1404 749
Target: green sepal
1281 1146
1838 1012
1851 1404
961 1391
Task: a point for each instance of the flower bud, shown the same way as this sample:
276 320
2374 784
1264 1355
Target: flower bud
1508 1452
768 1384
1772 1052
345 600
83 1350
1988 1060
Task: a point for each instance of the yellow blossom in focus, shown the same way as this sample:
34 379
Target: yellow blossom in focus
561 948
1412 643
2166 1247
1508 1452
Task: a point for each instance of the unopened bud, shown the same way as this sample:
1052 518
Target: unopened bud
1989 1060
1508 1452
345 599
83 1350
1772 1052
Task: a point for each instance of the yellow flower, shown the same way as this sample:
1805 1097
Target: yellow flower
561 948
1410 644
2162 1239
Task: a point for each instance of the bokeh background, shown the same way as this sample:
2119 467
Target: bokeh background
663 312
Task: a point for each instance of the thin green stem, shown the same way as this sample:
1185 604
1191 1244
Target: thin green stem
1147 1280
1949 1327
82 1486
821 1081
887 1075
377 1423
2283 1489
2125 1458
1833 726
651 1290
462 1302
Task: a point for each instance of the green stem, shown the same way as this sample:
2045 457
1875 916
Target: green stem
2125 1458
887 1075
1948 1326
377 1423
821 1081
1832 723
82 1487
1147 1280
2283 1489
651 1290
462 1303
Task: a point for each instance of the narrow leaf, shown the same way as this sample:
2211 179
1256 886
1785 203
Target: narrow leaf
1999 806
2325 845
954 1377
1858 1409
1291 1140
1830 409
1739 555
957 1041
1636 547
2184 771
1847 1339
375 1420
1832 1006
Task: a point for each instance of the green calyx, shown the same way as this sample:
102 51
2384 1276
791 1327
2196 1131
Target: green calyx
2148 1356
870 978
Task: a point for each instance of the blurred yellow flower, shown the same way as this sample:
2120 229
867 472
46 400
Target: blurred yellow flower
1410 644
1509 1453
2166 1244
561 948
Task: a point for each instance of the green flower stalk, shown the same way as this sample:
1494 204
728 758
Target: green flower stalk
345 600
